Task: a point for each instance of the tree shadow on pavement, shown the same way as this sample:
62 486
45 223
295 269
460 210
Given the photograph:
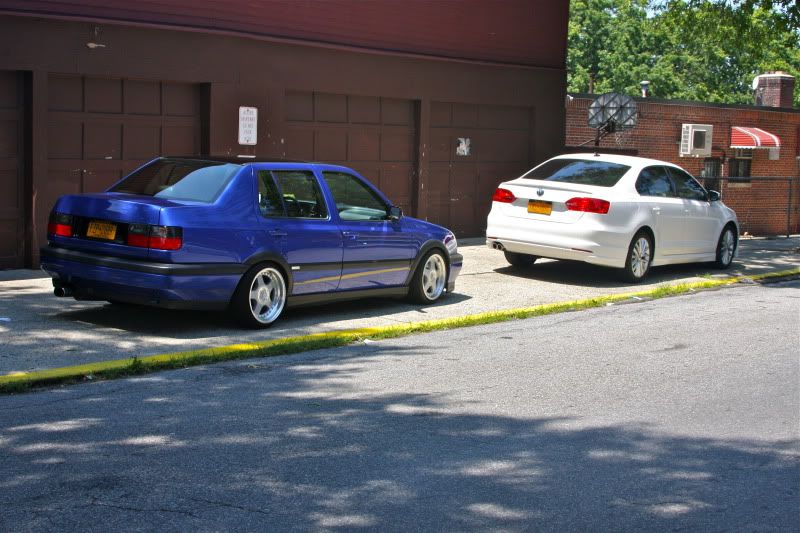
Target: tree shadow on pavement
297 446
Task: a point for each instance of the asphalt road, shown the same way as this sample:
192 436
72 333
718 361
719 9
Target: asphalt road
38 330
675 414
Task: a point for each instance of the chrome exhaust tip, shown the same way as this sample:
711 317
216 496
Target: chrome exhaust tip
61 292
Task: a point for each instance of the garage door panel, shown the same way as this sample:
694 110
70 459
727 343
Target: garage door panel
442 145
397 147
330 145
142 97
504 117
141 141
330 108
364 145
9 187
103 95
102 140
299 106
441 114
397 112
180 140
300 144
100 179
9 135
396 185
181 99
465 116
65 139
64 93
438 186
364 109
503 146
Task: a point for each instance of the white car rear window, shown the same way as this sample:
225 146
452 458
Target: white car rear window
580 171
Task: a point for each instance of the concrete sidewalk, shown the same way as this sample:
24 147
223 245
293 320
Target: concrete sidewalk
39 331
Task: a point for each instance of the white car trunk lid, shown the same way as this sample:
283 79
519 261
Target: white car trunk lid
534 197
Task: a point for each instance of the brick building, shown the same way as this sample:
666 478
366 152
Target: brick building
752 156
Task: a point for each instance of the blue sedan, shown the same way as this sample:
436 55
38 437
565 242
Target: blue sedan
250 236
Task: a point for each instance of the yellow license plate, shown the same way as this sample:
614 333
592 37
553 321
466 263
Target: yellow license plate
101 230
539 207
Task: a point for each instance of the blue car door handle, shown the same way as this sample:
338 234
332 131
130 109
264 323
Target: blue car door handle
350 235
278 233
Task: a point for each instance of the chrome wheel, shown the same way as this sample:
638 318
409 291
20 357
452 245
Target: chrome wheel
727 247
640 257
434 276
267 295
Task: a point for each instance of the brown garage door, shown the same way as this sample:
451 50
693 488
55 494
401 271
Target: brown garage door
460 186
375 136
12 212
102 128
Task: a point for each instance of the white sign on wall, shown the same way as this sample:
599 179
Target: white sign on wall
248 125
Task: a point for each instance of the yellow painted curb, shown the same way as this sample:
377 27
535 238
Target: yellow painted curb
286 345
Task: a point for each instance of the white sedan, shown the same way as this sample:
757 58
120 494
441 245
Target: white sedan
611 210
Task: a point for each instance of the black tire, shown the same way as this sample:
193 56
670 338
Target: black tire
519 260
726 247
639 258
260 297
430 278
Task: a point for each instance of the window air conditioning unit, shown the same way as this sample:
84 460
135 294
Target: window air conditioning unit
696 140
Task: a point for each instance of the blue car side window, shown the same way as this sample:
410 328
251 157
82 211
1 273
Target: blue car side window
301 194
269 198
354 199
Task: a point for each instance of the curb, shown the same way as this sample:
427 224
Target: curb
22 381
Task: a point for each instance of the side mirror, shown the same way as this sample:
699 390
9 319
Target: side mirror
395 213
713 196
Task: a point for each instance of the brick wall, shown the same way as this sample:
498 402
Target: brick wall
761 205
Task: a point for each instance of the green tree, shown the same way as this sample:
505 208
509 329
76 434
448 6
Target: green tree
688 49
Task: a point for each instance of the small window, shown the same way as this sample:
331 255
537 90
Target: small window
739 168
686 186
301 194
269 197
742 153
579 171
355 200
653 181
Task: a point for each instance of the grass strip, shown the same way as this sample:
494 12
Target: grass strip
22 381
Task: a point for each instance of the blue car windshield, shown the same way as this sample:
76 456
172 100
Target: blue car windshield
197 181
579 171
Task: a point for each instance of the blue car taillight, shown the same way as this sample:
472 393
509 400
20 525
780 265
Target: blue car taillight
155 237
60 224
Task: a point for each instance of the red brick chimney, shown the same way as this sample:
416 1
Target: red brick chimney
775 89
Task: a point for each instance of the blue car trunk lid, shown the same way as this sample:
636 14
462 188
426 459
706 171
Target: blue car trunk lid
102 222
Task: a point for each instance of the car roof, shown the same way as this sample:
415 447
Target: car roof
230 159
243 161
628 160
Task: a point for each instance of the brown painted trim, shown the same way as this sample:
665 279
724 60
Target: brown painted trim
279 40
38 167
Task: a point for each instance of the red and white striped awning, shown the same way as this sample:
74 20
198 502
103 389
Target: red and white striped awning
753 138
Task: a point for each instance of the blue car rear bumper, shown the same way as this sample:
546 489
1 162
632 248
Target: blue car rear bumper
175 286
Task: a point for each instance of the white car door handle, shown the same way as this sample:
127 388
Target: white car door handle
656 210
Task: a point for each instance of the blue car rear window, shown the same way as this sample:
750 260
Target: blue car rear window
580 171
197 181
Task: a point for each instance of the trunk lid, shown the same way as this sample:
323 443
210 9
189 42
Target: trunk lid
535 197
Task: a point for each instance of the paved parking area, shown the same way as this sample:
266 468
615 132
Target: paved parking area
38 330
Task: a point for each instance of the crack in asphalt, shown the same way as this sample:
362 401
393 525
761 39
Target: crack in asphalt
97 503
230 505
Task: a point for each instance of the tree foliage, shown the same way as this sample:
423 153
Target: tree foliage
705 50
